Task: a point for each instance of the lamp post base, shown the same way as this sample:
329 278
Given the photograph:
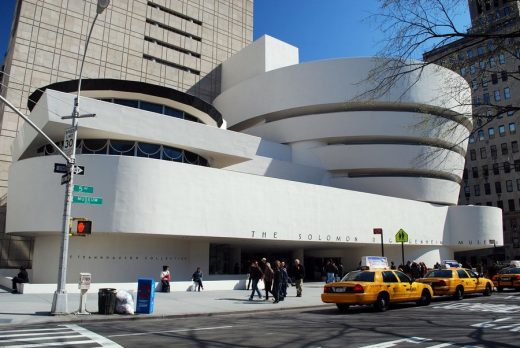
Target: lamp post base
59 303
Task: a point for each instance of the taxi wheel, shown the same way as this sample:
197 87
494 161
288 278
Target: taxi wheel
488 290
382 302
426 298
500 289
342 307
459 293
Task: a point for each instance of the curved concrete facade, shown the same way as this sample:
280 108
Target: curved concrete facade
326 103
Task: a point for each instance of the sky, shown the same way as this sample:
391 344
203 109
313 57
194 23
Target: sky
321 29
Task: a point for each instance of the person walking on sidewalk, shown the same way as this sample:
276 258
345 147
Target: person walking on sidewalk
268 280
197 279
285 281
277 281
331 270
299 274
256 275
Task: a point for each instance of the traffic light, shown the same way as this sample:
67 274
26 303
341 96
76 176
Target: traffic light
80 227
84 228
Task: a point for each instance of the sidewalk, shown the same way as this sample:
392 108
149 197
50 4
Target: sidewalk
35 308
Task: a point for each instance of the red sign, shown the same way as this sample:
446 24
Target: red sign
378 231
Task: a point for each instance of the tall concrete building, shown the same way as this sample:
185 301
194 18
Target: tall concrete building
491 67
171 43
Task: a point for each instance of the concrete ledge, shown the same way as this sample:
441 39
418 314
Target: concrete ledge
32 288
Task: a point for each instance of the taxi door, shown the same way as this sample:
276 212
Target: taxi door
397 291
481 284
470 284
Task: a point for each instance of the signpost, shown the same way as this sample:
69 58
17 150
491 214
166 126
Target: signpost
63 169
68 140
401 237
83 189
380 231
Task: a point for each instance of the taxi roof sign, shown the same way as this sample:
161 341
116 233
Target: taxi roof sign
374 262
450 263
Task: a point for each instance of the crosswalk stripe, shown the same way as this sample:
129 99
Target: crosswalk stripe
32 330
39 338
50 344
103 341
36 334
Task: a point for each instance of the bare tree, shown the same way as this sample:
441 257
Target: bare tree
428 29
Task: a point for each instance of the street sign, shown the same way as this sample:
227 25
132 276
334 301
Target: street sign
401 236
65 178
62 168
83 189
378 231
87 200
68 140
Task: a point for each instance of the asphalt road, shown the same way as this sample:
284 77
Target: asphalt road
476 321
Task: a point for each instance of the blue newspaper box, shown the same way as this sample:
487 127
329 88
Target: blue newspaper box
145 296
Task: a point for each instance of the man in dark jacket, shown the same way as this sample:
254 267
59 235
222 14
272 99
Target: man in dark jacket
22 277
299 274
255 274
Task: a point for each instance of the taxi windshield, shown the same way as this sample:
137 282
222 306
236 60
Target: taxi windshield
359 276
439 273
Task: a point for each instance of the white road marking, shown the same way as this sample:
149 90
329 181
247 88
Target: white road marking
173 331
36 334
482 307
50 344
103 341
40 338
416 340
33 330
490 323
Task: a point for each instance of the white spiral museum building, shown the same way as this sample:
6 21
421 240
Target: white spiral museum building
291 161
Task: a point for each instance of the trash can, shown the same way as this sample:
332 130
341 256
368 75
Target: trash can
106 301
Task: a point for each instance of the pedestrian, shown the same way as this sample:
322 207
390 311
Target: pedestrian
299 274
277 281
165 279
330 270
392 265
22 277
268 280
256 275
340 272
197 279
285 281
415 270
249 275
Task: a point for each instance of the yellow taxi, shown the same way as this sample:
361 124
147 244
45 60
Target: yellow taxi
378 287
456 282
507 278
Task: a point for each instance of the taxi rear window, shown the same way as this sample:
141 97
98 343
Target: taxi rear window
511 271
360 276
439 273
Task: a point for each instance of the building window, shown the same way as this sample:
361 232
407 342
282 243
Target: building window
512 128
495 168
501 130
485 170
466 191
483 153
510 110
482 64
463 71
480 134
491 132
500 204
494 78
501 58
507 167
517 165
498 187
486 99
514 146
470 53
484 81
503 75
476 188
518 184
472 138
472 68
474 172
487 188
480 50
493 151
509 185
492 62
465 174
473 155
489 204
507 93
503 148
497 95
511 204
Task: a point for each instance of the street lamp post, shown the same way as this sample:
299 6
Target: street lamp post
59 301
